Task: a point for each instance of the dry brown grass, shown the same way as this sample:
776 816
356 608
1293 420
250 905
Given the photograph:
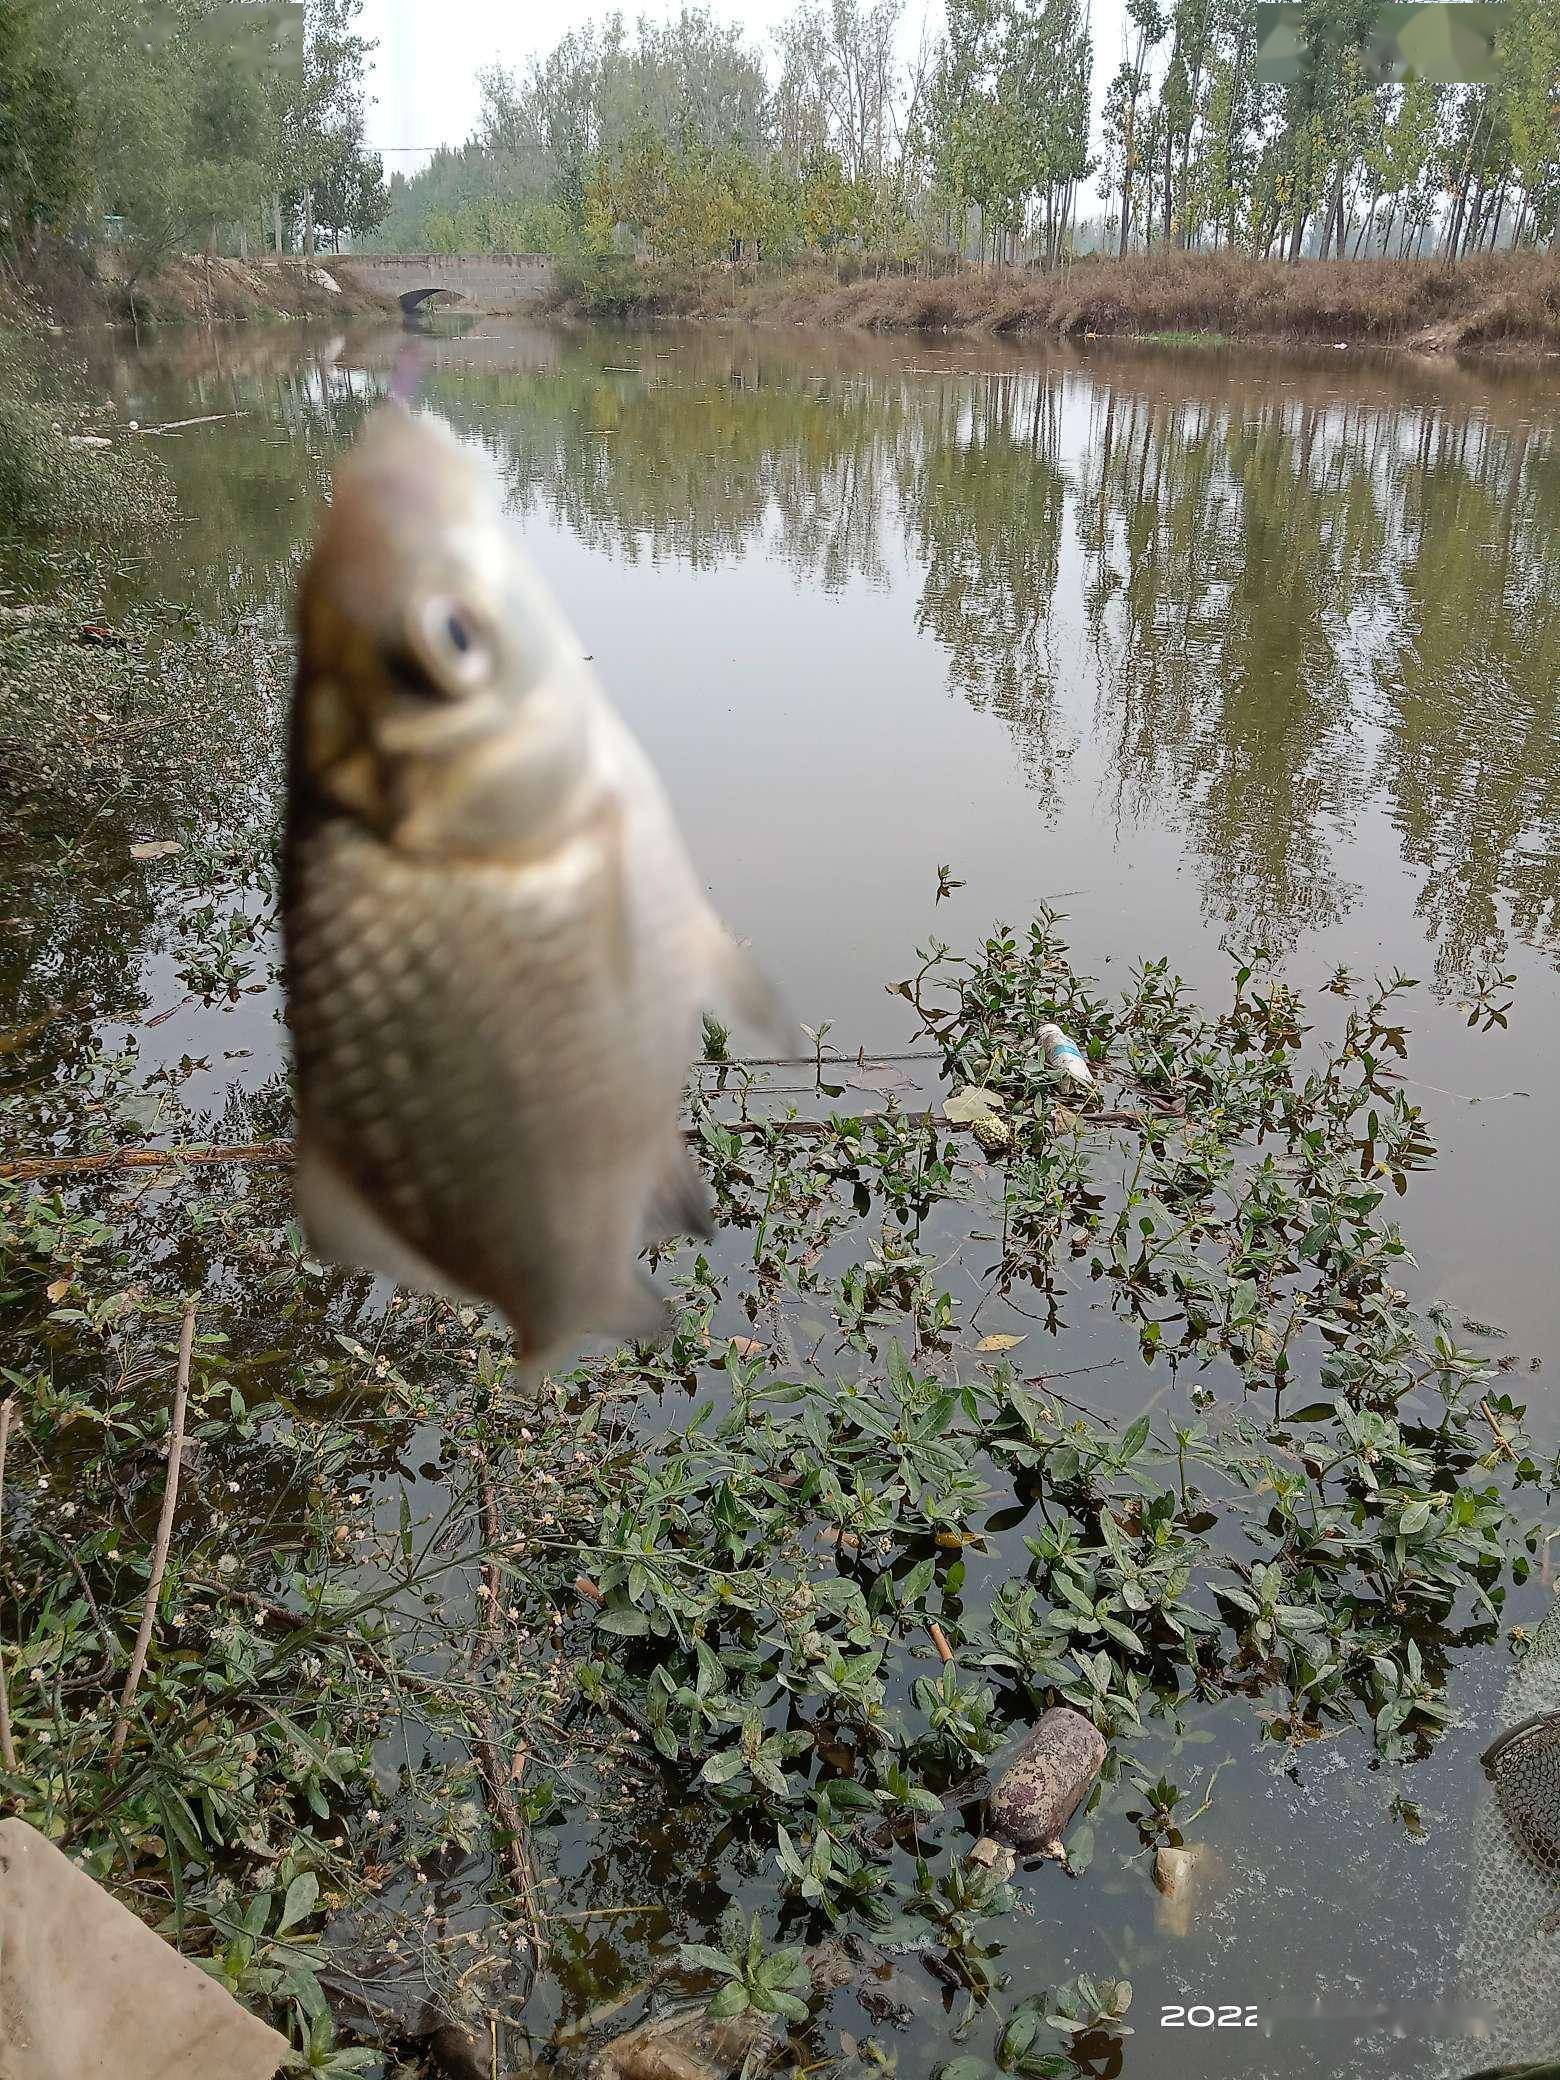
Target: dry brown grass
1495 300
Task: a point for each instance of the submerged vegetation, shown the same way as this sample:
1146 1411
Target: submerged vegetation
473 1704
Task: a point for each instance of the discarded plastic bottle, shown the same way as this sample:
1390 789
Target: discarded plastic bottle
1063 1057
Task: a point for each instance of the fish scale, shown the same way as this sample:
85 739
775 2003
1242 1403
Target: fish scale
469 963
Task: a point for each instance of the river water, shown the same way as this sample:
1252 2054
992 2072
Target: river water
1209 650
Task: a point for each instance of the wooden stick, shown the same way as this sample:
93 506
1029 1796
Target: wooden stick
23 1169
940 1642
7 1745
27 1169
143 1638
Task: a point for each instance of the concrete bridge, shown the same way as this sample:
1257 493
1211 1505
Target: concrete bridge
480 281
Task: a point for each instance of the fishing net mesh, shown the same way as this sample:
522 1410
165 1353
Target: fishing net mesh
1510 1957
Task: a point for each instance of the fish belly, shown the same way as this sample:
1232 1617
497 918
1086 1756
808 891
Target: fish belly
493 1059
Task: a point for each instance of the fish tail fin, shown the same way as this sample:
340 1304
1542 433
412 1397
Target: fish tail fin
679 1200
637 1313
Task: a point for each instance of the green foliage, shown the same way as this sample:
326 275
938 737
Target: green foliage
47 482
769 1981
985 146
221 123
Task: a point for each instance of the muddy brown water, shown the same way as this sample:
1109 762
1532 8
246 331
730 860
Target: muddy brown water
1211 650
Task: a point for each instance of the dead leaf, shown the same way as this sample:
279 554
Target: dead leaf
999 1343
56 1290
156 848
970 1104
746 1347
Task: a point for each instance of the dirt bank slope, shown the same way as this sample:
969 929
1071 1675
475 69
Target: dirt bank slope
1500 300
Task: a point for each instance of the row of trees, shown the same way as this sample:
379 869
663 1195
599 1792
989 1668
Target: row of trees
184 123
1199 152
680 138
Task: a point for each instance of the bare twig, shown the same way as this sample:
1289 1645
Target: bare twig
7 1745
1502 1442
143 1638
497 1780
940 1642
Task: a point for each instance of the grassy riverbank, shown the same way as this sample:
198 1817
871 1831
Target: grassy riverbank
1497 301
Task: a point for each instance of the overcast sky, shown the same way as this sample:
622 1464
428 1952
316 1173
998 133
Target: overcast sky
424 78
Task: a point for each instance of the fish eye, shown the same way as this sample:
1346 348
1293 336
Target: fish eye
451 645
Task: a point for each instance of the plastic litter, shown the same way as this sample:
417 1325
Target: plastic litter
1063 1056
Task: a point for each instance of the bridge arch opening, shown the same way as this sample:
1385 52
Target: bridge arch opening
414 299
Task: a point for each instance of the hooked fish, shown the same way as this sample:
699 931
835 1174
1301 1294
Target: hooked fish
497 947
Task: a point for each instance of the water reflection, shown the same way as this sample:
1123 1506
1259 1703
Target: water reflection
1269 597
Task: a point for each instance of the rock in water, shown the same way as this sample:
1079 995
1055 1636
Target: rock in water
1047 1780
88 1992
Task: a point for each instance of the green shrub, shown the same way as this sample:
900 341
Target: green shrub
49 483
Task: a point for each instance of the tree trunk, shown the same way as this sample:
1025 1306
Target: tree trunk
276 222
1500 211
1474 222
308 222
1368 228
1126 176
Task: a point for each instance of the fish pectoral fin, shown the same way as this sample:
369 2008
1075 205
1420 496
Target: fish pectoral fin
740 986
679 1201
343 1228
